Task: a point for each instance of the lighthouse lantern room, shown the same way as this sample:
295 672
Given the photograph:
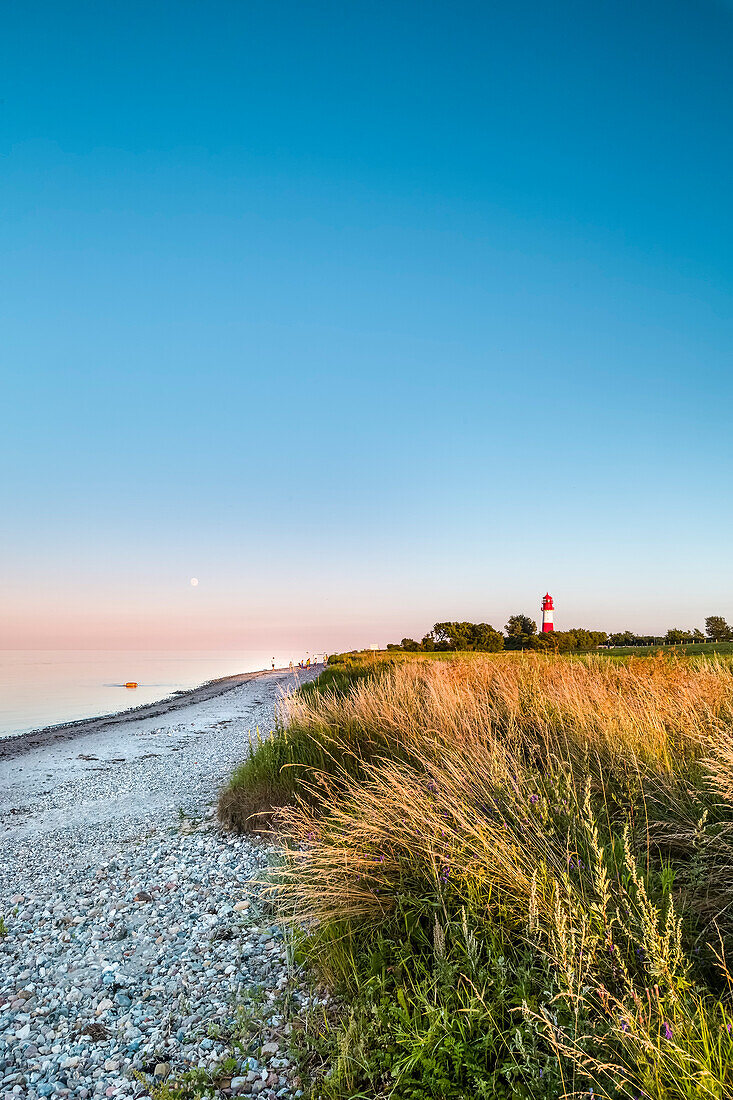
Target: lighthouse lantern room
547 613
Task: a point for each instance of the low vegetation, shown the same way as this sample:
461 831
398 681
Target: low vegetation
272 775
515 870
683 649
521 633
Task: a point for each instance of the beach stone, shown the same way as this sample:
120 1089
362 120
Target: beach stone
82 1010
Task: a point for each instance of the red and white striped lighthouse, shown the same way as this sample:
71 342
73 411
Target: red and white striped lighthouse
547 613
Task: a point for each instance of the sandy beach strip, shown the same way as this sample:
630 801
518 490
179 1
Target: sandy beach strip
135 928
119 772
21 743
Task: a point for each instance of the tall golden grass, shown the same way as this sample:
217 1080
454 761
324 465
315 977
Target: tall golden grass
545 793
466 747
661 709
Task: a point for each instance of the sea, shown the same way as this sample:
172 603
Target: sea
40 688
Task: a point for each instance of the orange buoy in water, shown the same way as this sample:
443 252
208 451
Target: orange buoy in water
130 684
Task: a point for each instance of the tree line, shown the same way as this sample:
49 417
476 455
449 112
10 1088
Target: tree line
716 630
521 632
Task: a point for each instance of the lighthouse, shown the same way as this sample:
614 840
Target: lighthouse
547 612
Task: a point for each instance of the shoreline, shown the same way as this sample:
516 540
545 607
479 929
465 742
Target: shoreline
18 744
132 921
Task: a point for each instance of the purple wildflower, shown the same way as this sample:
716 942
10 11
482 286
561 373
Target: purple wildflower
667 1030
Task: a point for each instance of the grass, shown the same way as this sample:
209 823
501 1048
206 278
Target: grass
516 871
693 649
272 774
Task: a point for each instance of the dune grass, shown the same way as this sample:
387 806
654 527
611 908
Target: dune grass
517 872
272 774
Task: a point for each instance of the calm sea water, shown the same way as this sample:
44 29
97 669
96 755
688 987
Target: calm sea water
44 687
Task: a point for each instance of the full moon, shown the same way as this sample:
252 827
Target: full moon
194 581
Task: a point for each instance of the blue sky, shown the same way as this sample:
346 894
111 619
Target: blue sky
365 315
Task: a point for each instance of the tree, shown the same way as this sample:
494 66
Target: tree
676 636
565 641
486 639
410 645
441 636
457 635
625 637
717 629
464 636
520 630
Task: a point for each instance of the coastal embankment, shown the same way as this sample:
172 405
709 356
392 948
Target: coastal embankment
132 936
513 870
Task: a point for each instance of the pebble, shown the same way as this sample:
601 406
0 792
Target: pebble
131 947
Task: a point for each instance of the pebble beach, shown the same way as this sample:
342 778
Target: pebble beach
137 942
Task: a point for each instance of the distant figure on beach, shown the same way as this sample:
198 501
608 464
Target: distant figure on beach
291 666
273 664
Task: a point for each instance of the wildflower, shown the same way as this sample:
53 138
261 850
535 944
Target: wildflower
534 799
624 1025
667 1030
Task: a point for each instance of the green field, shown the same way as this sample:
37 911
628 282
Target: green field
694 649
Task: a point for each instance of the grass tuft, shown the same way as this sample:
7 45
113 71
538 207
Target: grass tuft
516 871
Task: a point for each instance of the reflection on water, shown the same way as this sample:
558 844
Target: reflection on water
44 687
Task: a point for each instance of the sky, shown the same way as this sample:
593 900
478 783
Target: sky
364 315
